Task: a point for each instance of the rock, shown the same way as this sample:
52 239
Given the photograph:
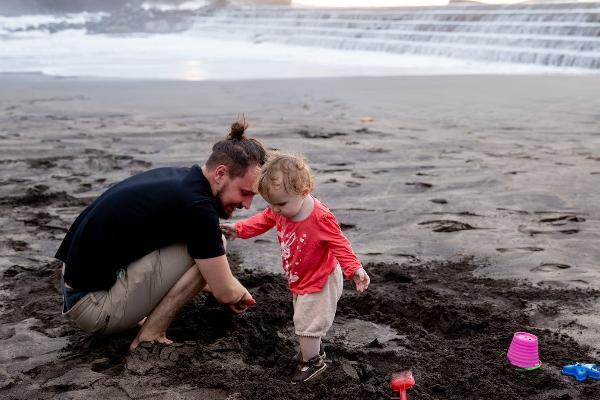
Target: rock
5 379
79 378
350 371
149 356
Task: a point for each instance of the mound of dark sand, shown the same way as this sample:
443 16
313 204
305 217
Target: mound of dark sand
453 331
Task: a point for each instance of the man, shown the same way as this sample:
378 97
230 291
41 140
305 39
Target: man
150 243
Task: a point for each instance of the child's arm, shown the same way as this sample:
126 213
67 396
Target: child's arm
342 251
253 226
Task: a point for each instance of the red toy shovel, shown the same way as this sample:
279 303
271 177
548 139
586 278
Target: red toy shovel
249 302
401 381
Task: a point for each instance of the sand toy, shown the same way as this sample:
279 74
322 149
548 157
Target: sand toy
582 371
523 351
401 381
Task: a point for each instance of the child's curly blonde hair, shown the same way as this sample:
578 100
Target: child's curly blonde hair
295 174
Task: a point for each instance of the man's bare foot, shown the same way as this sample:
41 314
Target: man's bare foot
147 337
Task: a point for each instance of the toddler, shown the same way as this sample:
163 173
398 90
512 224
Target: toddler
314 252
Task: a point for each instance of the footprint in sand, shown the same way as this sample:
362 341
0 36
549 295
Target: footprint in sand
352 184
378 150
534 231
333 170
573 324
346 226
84 187
565 284
439 201
526 248
563 219
405 255
338 164
448 225
459 214
420 186
579 282
550 267
319 135
6 332
42 163
17 245
531 248
379 171
552 284
512 211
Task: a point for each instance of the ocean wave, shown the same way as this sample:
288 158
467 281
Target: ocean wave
40 22
185 6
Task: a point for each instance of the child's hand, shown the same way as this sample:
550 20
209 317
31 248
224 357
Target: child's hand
361 279
229 231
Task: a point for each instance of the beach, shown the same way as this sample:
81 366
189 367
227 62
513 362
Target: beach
472 200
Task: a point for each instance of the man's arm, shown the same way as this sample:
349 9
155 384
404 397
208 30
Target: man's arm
223 285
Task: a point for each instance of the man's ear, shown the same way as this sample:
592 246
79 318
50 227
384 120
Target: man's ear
221 172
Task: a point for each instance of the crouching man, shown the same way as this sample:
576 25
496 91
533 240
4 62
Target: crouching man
152 242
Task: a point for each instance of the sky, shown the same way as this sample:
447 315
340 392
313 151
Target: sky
389 3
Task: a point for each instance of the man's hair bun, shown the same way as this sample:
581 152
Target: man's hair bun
237 152
236 132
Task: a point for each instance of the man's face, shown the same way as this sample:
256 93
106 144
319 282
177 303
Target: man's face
238 192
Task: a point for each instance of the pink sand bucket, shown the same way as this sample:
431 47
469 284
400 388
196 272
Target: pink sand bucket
523 351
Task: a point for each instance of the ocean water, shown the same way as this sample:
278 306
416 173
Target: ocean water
82 45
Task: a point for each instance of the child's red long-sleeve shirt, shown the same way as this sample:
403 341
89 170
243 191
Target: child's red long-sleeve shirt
310 249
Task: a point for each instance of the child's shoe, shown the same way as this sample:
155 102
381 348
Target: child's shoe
322 354
308 370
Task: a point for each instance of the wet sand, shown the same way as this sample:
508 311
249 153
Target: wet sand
441 183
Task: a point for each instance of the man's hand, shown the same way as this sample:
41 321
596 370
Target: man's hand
242 305
361 280
229 231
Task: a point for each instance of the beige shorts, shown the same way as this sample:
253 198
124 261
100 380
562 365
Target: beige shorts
135 293
314 312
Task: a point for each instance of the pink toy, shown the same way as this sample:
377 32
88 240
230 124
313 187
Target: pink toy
523 351
401 381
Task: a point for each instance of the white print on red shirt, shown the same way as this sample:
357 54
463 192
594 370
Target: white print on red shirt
286 242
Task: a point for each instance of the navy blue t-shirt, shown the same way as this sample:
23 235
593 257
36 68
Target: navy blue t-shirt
133 218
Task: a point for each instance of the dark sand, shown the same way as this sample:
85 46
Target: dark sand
441 183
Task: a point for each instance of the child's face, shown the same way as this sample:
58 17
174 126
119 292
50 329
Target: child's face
284 203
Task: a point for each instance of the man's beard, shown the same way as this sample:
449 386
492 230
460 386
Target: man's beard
223 210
